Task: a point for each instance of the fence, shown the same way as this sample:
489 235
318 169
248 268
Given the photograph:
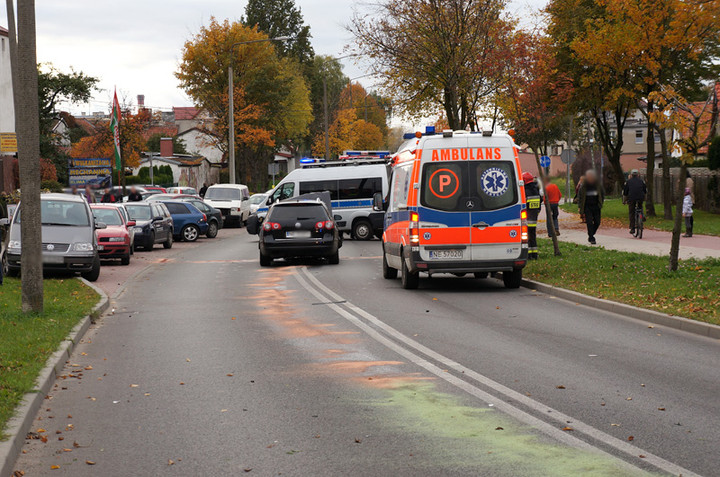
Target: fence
706 185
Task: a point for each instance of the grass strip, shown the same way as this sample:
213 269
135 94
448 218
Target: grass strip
705 223
27 341
632 278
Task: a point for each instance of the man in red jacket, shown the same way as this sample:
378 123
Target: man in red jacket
554 195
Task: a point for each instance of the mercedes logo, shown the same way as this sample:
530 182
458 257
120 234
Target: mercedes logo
50 247
470 204
298 225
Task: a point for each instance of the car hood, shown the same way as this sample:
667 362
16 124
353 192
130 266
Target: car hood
58 234
113 231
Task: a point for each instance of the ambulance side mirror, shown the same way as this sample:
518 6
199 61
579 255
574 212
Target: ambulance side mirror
378 202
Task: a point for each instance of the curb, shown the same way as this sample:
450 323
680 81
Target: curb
679 323
20 424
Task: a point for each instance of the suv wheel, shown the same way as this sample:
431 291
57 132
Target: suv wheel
334 259
190 233
126 259
512 279
410 281
389 273
265 261
93 274
212 230
362 230
150 244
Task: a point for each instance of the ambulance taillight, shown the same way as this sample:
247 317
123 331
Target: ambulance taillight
414 228
523 226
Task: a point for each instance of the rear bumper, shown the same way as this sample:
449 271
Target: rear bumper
285 249
73 263
417 264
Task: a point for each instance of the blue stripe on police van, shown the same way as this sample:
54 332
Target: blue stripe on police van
351 204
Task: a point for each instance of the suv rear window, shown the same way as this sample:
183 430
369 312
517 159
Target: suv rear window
177 208
469 186
298 212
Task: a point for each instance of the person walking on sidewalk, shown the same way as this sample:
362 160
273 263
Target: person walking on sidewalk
553 195
591 198
533 201
634 193
687 212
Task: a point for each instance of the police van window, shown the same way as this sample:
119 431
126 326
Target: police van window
320 186
401 186
495 182
285 191
444 186
350 189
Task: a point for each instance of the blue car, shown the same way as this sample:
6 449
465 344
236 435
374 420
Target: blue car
189 222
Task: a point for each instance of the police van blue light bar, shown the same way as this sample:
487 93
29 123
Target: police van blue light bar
310 160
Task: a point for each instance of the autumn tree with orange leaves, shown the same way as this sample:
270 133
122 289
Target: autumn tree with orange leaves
272 105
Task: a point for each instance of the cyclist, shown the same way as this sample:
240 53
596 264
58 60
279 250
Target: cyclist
634 194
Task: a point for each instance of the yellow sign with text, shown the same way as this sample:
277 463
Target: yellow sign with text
8 142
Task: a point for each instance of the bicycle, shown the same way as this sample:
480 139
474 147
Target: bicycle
639 221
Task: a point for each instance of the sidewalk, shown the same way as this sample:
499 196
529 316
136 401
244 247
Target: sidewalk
654 242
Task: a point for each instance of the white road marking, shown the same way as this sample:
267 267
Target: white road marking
505 392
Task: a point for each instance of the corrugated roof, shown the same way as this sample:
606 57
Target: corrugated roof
185 113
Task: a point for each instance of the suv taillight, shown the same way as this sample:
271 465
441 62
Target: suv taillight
414 228
268 226
523 226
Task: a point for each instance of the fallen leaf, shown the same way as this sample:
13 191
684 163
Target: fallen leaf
76 445
358 441
499 429
170 462
661 409
560 387
41 431
90 462
631 438
249 469
83 354
67 450
230 375
44 439
88 368
182 383
54 467
615 425
187 359
233 318
134 385
223 410
641 456
61 438
629 399
567 428
18 473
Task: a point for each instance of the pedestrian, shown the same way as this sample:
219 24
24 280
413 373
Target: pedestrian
74 190
108 196
591 198
687 212
134 196
690 184
634 193
553 196
580 182
89 195
203 189
533 200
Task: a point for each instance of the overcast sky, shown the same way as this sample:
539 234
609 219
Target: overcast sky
136 44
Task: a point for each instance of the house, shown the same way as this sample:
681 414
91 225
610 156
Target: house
200 143
187 118
188 170
7 113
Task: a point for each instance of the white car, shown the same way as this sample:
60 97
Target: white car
255 201
182 190
233 200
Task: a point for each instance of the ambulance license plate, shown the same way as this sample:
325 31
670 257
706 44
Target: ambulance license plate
445 254
297 234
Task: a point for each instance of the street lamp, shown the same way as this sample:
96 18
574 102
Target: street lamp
231 103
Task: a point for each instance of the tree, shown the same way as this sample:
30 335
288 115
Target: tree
433 53
368 106
696 123
23 60
325 71
534 100
282 18
714 153
272 105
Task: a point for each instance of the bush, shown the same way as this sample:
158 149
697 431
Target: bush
52 186
714 154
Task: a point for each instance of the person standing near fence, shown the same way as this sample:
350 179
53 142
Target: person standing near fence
553 195
687 212
590 202
634 193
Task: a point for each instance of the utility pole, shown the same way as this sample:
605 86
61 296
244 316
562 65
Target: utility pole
231 124
23 60
327 127
570 143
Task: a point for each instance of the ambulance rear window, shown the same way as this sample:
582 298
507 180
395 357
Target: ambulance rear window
469 186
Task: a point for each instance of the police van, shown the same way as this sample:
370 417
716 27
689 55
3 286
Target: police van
456 205
352 185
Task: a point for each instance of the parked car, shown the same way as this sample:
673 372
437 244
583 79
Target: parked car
232 200
153 224
182 190
126 218
299 228
214 216
255 201
154 188
114 241
163 197
189 222
68 234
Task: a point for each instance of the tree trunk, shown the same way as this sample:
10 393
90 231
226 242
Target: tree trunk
617 172
666 184
677 226
23 59
550 223
649 177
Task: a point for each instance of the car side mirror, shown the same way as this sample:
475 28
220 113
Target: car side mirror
131 223
100 225
4 221
253 225
159 218
245 198
378 202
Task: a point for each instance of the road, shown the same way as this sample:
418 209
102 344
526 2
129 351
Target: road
211 365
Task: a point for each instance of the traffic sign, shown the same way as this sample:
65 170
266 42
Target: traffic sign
545 161
568 156
8 142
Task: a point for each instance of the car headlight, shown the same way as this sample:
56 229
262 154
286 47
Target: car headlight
138 229
82 247
116 239
14 245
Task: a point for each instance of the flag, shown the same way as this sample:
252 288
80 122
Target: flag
115 128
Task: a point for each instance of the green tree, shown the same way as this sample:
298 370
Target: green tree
328 70
282 18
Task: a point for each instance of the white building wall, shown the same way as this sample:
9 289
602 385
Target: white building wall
198 143
7 109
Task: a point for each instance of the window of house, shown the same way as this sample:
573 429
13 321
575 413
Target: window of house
639 136
657 136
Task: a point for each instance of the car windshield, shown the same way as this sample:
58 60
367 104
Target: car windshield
107 216
138 212
297 212
223 193
257 199
62 212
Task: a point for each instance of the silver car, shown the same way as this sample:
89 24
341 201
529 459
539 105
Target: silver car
68 236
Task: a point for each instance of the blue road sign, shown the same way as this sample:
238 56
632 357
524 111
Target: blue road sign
545 161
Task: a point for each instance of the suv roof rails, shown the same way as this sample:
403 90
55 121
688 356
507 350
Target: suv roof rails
348 162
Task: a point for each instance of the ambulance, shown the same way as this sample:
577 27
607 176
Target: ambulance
456 205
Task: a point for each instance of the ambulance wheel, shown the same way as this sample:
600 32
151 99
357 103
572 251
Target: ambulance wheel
512 279
389 273
362 230
410 281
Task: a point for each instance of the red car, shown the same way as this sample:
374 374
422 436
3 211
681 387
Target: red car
158 189
113 241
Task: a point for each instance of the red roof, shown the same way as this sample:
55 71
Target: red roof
3 31
185 113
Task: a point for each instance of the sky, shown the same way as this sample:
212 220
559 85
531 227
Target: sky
135 45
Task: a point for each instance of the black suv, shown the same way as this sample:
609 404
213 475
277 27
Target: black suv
153 224
299 228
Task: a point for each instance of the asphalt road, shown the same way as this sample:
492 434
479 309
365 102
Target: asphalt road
211 365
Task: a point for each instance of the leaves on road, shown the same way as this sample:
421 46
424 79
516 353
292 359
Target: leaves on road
567 429
90 462
560 387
